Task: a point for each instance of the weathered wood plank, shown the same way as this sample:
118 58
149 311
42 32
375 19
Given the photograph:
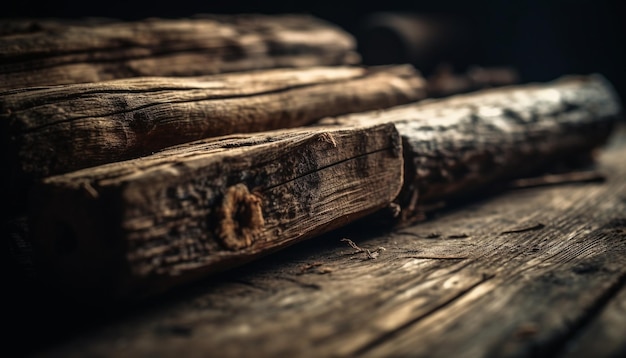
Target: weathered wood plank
57 52
135 228
604 337
542 284
479 280
54 130
458 145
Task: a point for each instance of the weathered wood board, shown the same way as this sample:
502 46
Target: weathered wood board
136 228
460 144
604 335
51 51
522 274
57 129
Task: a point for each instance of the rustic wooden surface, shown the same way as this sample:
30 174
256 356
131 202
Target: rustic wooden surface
537 272
103 123
57 129
139 227
459 144
52 51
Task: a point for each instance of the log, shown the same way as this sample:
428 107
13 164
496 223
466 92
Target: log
58 129
49 51
465 143
135 228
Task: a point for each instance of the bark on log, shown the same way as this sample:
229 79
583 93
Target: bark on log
76 52
59 129
139 227
462 144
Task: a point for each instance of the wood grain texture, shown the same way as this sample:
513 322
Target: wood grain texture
54 130
604 336
48 52
458 145
514 275
140 227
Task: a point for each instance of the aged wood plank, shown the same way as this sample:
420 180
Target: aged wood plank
480 280
58 52
542 285
54 130
604 337
458 145
140 227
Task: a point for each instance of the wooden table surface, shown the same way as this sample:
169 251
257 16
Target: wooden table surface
528 272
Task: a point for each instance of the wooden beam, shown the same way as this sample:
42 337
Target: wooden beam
139 227
58 129
53 51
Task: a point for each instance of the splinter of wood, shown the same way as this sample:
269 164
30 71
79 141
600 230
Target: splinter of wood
556 179
370 254
538 226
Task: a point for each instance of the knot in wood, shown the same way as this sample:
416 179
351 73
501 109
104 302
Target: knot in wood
240 218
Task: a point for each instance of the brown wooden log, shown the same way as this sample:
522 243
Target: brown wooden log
57 129
139 227
458 145
49 51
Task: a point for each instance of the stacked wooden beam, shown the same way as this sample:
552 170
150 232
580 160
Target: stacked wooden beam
149 154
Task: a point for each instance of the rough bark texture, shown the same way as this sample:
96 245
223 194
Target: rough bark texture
527 273
457 145
135 228
58 129
48 52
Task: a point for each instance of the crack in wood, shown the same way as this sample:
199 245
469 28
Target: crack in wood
216 98
436 257
559 179
560 345
389 335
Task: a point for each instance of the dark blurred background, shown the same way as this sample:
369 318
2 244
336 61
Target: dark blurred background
540 39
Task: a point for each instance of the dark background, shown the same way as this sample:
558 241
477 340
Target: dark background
541 39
